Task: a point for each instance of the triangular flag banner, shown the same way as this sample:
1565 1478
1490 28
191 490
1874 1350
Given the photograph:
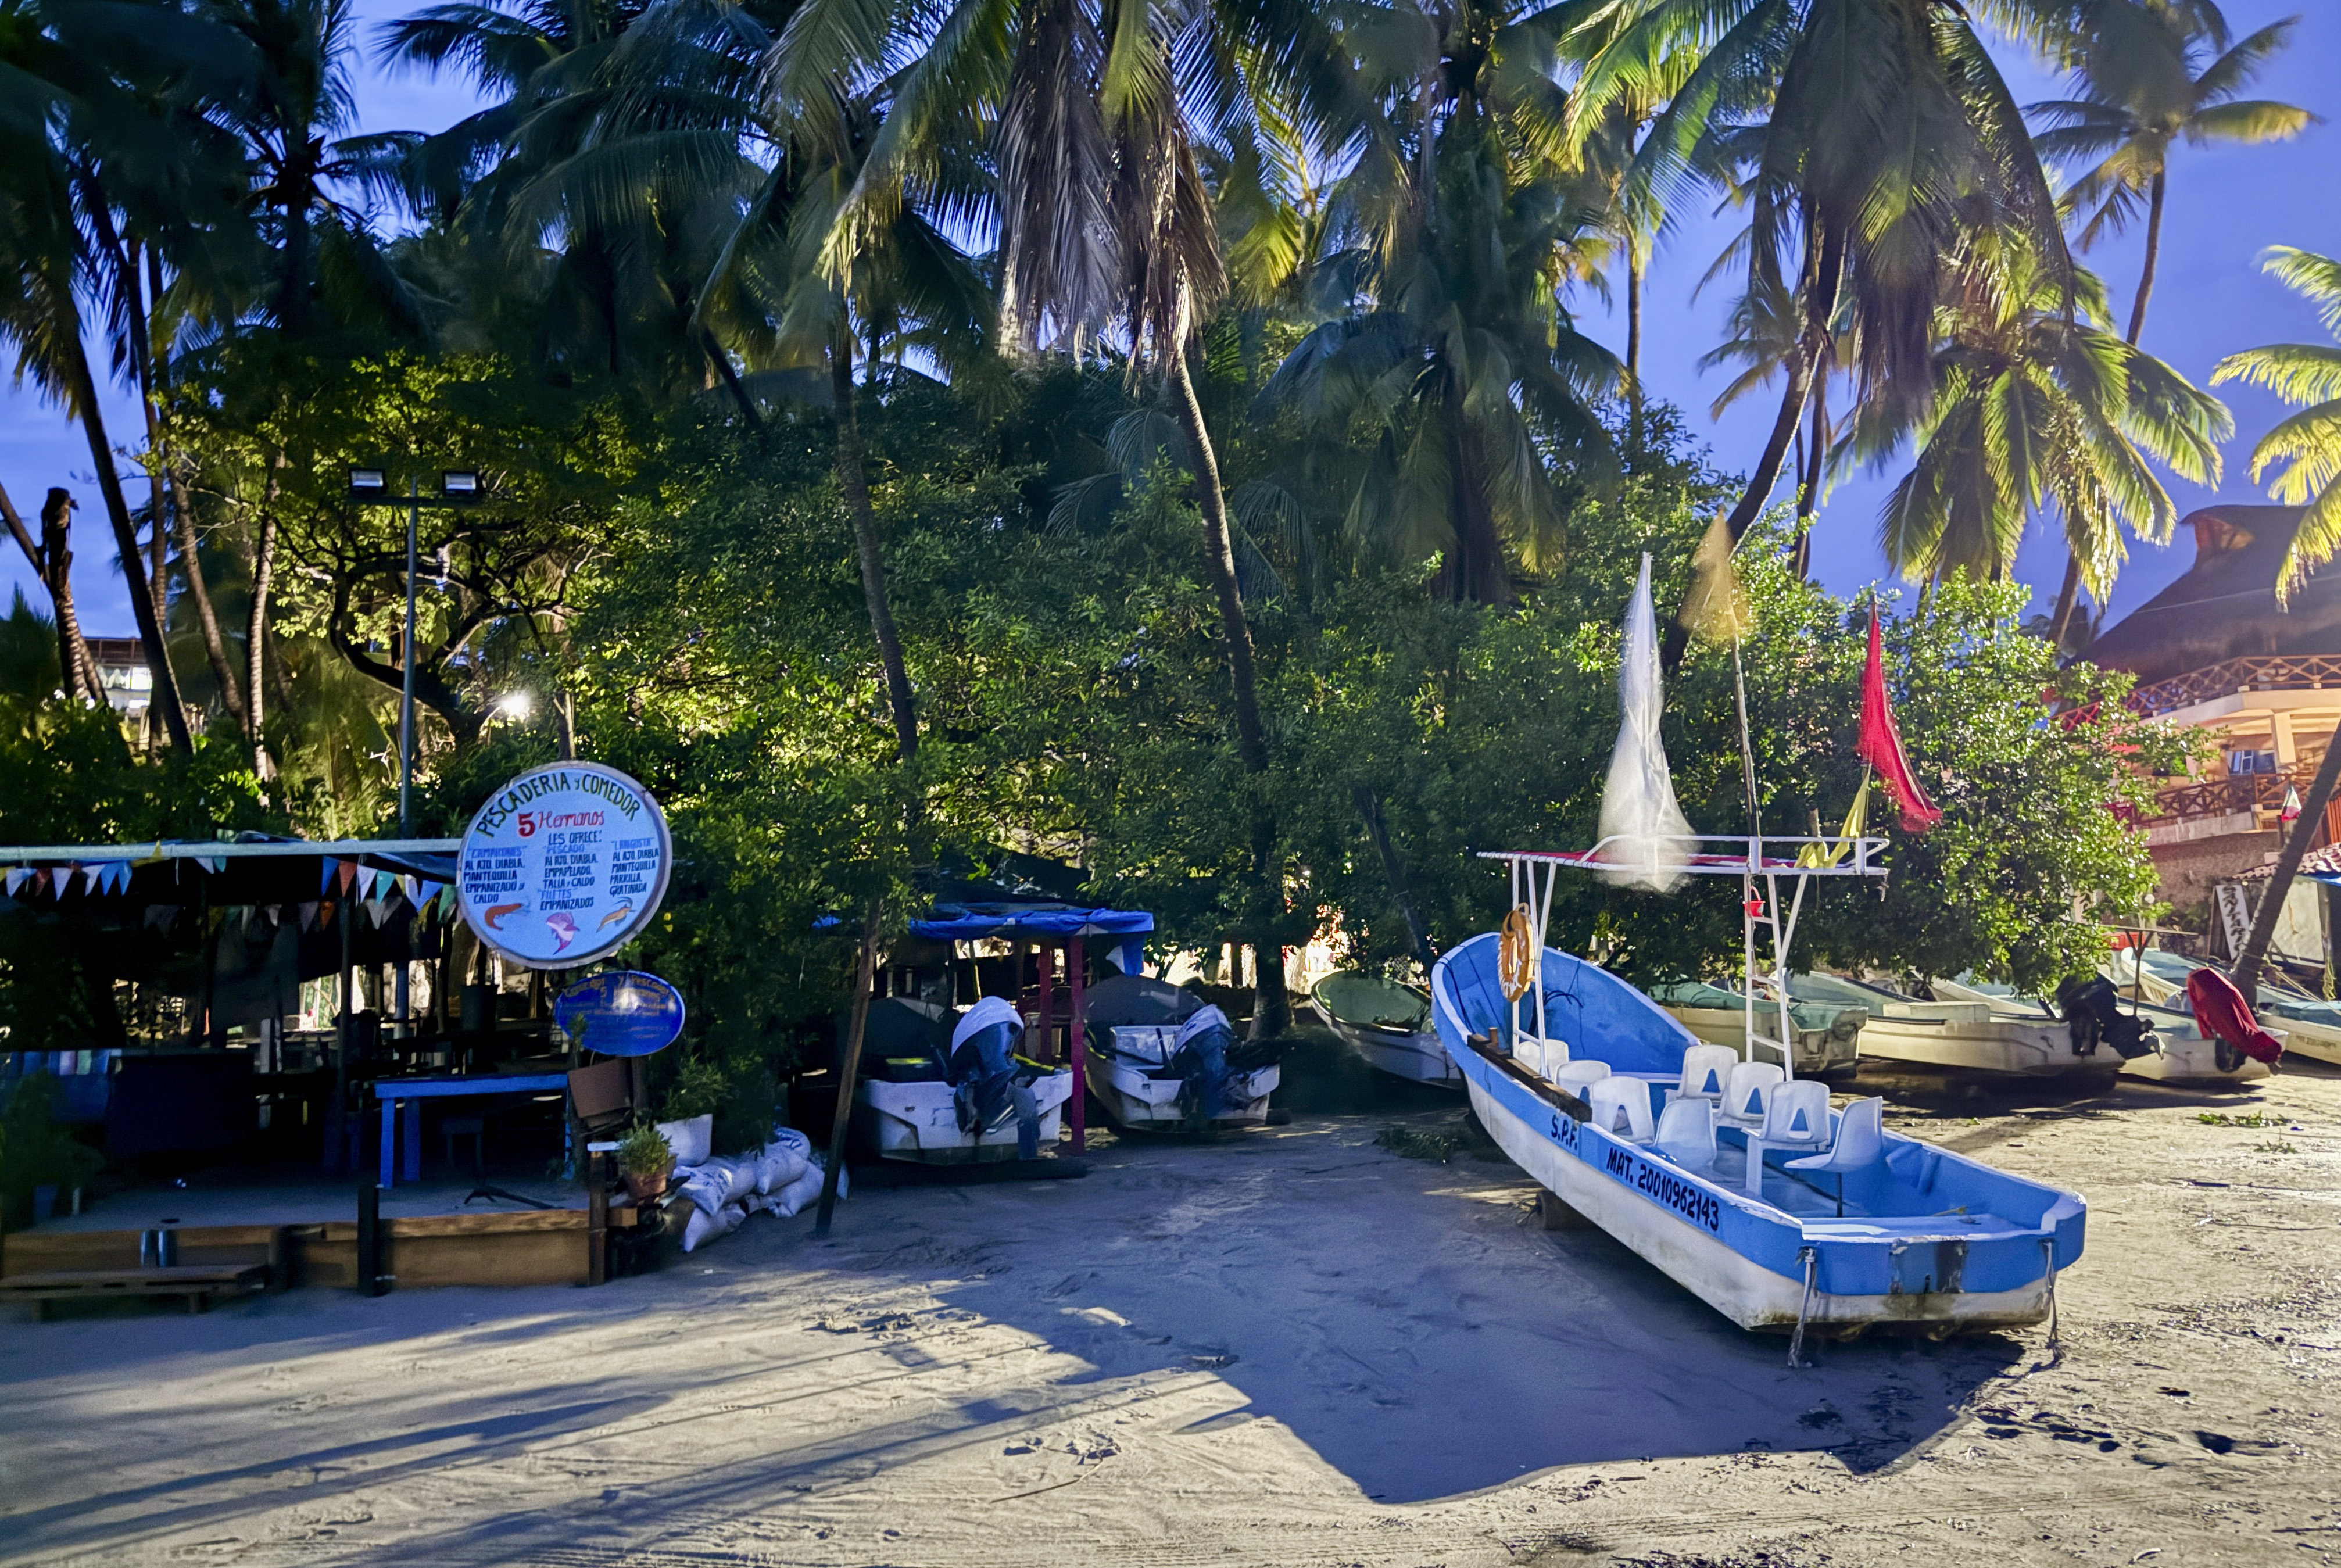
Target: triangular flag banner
40 883
1880 744
90 875
447 902
308 914
383 883
406 886
348 871
325 914
276 913
325 874
18 876
117 877
375 909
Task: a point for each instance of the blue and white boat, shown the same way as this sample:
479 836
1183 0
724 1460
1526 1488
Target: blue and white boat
1911 1234
1735 1177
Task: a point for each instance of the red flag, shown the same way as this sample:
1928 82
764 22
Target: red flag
1881 743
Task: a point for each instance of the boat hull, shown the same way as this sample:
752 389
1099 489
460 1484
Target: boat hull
2042 1049
1133 1099
919 1123
1416 1057
1920 1237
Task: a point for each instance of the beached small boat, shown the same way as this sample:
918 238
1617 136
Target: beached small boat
906 1105
1856 1226
2308 1025
1825 1039
2177 1050
1387 1024
1155 1059
1969 1031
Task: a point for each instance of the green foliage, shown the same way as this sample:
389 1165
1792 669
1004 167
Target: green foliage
34 1151
643 1151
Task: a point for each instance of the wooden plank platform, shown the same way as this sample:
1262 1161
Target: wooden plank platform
196 1282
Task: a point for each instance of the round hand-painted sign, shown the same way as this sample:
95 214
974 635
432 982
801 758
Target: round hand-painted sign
623 1014
564 864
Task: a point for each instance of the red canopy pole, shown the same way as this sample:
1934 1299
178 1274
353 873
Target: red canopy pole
1044 1048
1076 1050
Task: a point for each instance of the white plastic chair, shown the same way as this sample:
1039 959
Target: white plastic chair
1861 1141
1576 1077
1686 1133
1540 1057
1796 1116
1621 1107
1706 1069
1748 1093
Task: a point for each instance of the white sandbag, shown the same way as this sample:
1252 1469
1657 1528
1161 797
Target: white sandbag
689 1140
709 1190
805 1189
738 1174
791 1138
777 1164
705 1227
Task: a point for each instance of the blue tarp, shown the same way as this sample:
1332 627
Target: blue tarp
966 922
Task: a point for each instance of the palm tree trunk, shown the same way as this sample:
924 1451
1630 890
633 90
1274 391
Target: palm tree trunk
1634 266
256 625
2249 962
1271 1008
731 383
1370 807
2068 598
52 562
853 478
2152 255
1809 491
1251 739
165 695
191 561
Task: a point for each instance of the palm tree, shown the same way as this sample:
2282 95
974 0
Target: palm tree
2034 408
2304 452
1444 344
1104 222
1881 133
2148 75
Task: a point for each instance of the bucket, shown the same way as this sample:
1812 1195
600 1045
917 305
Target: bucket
158 1249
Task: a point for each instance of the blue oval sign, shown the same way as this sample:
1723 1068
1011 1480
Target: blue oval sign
625 1013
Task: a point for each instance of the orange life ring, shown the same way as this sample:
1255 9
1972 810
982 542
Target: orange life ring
1516 955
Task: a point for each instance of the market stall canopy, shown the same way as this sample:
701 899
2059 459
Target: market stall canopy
1024 898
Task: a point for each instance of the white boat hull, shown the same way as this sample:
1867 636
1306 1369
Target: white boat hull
1133 1099
1818 1055
1416 1057
1741 1289
2042 1049
2192 1059
920 1122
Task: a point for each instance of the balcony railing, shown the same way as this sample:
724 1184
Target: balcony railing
2227 796
2272 672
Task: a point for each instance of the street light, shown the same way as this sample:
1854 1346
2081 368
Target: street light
370 487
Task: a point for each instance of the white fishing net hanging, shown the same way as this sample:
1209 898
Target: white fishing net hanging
1641 825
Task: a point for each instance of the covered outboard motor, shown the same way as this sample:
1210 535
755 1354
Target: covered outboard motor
2093 1013
987 1079
1200 1060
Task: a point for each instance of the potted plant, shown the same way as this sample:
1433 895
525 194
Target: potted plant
644 1160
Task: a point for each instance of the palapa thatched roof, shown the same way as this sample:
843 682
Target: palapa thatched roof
2224 606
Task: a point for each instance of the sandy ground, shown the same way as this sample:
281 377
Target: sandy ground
1289 1347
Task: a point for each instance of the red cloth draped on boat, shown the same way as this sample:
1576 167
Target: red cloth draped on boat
1881 743
2220 1008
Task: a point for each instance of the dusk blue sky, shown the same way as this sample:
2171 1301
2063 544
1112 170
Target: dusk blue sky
2226 205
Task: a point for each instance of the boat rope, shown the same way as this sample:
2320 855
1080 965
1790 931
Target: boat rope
2048 1255
1811 1258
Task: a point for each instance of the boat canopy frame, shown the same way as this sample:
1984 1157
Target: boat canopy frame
1756 859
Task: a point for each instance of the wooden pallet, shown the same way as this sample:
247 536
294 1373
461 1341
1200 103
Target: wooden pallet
197 1283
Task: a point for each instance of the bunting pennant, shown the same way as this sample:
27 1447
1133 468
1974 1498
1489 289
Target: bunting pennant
1880 744
40 882
377 910
117 877
276 913
308 914
347 870
325 914
406 885
326 869
19 875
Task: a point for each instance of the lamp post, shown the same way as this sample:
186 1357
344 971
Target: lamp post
370 487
